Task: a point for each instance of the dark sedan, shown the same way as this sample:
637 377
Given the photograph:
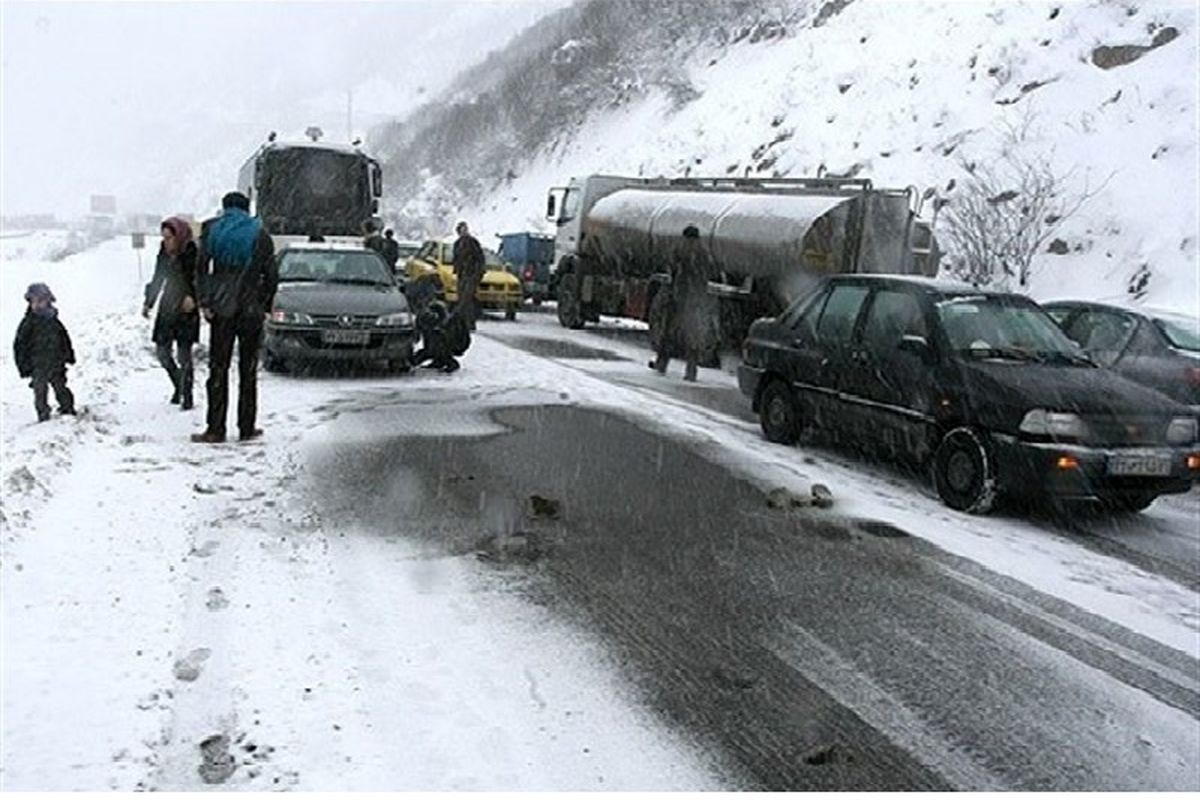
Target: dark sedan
1154 348
982 386
338 303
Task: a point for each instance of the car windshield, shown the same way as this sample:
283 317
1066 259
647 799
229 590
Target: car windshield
1181 331
332 266
1005 327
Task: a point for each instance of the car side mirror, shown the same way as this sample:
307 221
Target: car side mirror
917 346
551 208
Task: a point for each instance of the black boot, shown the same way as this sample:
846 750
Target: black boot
185 389
173 374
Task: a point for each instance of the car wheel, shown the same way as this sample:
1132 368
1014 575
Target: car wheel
964 472
510 313
779 413
1130 503
272 363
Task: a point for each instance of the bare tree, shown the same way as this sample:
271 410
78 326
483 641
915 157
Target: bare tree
1006 211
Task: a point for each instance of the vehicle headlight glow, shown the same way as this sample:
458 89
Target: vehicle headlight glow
401 319
1057 424
1181 430
281 317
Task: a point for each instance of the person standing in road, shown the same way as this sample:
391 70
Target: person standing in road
468 271
390 249
691 317
236 277
177 324
42 350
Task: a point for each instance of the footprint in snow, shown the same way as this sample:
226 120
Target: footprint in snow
205 550
188 668
216 599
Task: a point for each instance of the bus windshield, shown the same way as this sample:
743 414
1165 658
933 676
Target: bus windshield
307 190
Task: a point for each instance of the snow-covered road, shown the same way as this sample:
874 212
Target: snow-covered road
173 612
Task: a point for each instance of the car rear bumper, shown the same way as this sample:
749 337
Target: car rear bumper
308 344
1076 472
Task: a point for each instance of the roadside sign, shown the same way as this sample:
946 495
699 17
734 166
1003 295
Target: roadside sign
139 241
103 204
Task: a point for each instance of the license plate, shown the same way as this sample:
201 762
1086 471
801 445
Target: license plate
1142 464
345 337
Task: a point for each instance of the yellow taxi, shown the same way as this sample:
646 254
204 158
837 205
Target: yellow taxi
498 289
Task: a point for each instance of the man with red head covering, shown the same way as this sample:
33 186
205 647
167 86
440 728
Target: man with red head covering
177 325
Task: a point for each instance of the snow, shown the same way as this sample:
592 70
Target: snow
125 548
333 659
919 101
156 593
1049 562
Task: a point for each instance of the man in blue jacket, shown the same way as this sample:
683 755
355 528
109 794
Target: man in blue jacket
236 277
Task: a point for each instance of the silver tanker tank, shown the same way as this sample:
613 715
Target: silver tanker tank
786 239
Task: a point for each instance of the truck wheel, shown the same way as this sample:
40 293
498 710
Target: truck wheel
779 413
570 311
964 472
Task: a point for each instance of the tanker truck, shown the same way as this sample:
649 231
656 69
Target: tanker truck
769 239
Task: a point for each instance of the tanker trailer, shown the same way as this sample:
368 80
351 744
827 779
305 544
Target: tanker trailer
769 239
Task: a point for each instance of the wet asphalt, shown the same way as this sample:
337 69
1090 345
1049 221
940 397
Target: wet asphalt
802 650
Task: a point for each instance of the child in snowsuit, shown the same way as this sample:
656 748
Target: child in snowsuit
43 350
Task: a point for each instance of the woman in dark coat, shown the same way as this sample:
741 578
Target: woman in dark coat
177 324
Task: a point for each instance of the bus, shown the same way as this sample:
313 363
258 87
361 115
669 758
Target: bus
312 189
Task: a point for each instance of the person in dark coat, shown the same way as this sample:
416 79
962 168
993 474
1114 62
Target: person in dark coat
690 319
236 278
434 324
469 262
42 350
177 324
390 249
371 238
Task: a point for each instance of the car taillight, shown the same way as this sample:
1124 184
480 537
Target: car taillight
528 272
1192 375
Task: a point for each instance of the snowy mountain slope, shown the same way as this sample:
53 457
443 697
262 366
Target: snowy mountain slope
912 93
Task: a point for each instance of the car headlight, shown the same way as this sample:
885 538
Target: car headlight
401 319
281 317
1182 430
1056 424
